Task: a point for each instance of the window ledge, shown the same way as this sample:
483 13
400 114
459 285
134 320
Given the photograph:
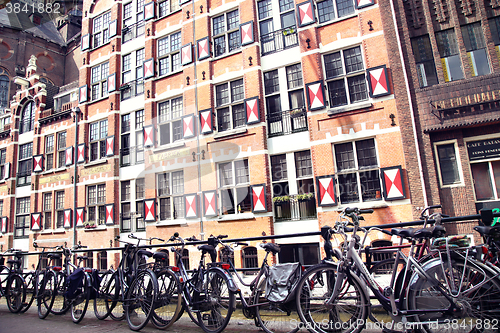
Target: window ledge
227 54
235 217
356 106
166 75
2 181
171 13
98 162
338 20
51 171
89 102
364 205
224 134
59 231
98 47
166 223
170 146
99 228
46 232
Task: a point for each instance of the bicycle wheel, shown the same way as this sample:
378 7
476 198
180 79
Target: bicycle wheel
31 289
346 314
169 301
100 309
46 293
61 304
4 276
274 317
140 299
80 303
114 303
215 302
15 293
474 290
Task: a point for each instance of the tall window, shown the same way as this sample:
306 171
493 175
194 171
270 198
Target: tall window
4 92
102 259
96 200
133 20
249 258
495 33
27 118
294 85
448 164
132 138
23 210
357 171
170 190
476 48
98 133
125 196
100 30
60 209
328 8
169 55
230 108
3 158
132 70
273 17
99 77
226 32
168 6
450 57
61 149
132 220
49 152
140 195
47 210
25 160
234 189
169 120
345 77
425 61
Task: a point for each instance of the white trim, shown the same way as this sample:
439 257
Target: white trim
438 165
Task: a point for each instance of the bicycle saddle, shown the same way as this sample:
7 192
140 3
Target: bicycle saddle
206 248
160 256
13 262
406 233
53 256
487 230
423 233
271 247
145 253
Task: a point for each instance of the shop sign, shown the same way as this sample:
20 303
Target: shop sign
483 149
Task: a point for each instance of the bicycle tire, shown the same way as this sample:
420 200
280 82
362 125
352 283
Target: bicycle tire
46 293
169 301
31 290
274 317
80 303
4 276
115 305
216 302
140 298
477 294
61 304
100 308
15 293
349 310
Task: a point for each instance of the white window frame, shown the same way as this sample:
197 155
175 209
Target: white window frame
226 33
335 7
230 105
49 151
99 82
135 135
233 186
99 140
438 165
176 195
61 151
59 209
169 121
168 7
135 198
172 53
47 208
97 205
102 31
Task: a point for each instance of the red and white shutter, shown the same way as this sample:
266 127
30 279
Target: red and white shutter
110 145
37 163
113 27
80 216
315 96
203 47
149 68
80 158
85 42
5 219
258 195
36 221
188 127
378 80
149 11
149 210
112 82
6 171
83 94
186 54
110 214
392 179
326 190
210 203
364 3
69 155
67 218
206 121
305 13
246 33
149 136
191 202
252 110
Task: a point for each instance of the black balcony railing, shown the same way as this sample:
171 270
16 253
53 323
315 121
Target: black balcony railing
133 31
287 122
132 89
292 208
279 40
131 156
24 178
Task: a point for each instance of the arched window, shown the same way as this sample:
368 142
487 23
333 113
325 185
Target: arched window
249 258
379 256
4 92
226 257
27 118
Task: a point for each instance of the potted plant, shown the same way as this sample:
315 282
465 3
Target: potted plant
305 196
282 198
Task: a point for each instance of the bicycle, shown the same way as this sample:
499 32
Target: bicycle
440 291
12 284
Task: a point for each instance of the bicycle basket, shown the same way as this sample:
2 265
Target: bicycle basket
281 282
453 242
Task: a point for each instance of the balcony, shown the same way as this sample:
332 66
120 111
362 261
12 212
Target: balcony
133 31
294 207
287 122
131 156
4 130
279 40
132 89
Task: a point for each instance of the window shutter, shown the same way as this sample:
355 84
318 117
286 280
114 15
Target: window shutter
85 42
81 153
80 216
150 210
113 27
203 47
188 126
6 171
210 203
83 94
5 221
392 180
191 204
67 218
110 145
258 196
38 163
36 221
326 191
186 54
149 68
112 82
110 211
378 80
69 156
252 110
315 95
364 3
149 11
246 33
149 136
206 121
305 13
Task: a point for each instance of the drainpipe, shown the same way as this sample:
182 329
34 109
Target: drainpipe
410 103
77 113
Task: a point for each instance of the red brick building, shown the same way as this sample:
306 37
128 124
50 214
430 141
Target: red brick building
238 117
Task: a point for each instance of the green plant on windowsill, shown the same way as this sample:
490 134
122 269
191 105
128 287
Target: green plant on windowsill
283 198
288 31
305 196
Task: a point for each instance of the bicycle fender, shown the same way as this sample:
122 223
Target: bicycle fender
364 287
230 282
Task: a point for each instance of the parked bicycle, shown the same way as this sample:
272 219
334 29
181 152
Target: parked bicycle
12 284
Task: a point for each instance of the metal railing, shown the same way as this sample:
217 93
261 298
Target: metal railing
132 31
279 40
287 122
295 209
132 89
131 156
24 178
